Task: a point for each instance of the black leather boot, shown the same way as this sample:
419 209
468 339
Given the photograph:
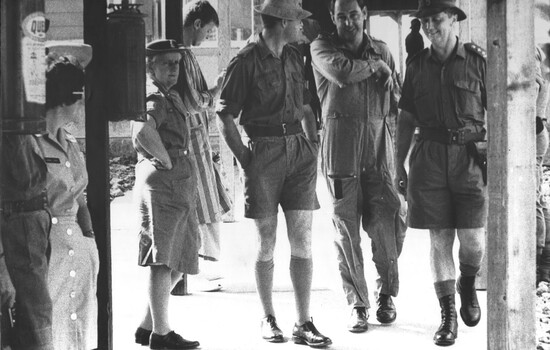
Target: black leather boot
469 306
544 266
448 330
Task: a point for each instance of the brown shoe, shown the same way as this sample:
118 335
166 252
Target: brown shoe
358 320
270 331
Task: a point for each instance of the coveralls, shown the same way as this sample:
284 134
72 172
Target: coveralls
358 162
25 228
74 262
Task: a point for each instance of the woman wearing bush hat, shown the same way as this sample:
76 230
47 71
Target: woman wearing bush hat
165 190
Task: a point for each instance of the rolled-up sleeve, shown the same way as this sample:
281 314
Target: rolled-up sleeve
235 88
335 66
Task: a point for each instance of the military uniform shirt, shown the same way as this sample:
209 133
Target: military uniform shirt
269 90
448 94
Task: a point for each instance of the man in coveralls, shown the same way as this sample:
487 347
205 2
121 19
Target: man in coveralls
354 75
444 97
265 81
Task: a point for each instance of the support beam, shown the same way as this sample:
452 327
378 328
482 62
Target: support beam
97 161
224 55
174 20
511 226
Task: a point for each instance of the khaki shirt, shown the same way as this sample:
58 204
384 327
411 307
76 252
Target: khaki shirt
169 113
267 89
450 94
67 176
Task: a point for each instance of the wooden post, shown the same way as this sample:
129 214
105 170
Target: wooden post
97 160
174 20
511 135
401 46
224 55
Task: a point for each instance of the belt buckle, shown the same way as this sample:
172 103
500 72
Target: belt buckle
456 136
284 128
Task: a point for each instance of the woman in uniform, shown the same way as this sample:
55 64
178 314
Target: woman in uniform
165 190
74 261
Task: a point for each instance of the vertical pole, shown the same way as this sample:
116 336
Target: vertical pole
97 160
511 135
224 55
401 45
174 20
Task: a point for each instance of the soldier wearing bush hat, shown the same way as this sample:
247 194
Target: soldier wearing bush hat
265 85
443 104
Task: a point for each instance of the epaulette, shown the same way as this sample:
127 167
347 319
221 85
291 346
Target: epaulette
476 49
71 138
247 49
418 54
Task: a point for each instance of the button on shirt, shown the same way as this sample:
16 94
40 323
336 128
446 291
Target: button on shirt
267 89
67 176
447 95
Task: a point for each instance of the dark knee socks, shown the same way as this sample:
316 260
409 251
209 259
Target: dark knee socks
468 270
301 271
264 284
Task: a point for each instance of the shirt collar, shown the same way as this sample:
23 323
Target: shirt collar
366 45
262 47
459 50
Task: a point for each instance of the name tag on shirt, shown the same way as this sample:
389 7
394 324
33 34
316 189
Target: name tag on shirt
52 160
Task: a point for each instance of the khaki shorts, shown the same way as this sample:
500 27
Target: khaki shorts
283 170
446 188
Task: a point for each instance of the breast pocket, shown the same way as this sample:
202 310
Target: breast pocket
467 98
267 83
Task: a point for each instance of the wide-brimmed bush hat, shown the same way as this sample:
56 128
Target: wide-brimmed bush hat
284 9
428 8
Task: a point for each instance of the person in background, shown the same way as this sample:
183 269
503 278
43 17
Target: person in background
200 20
74 260
444 98
24 244
543 214
414 43
265 85
358 157
165 191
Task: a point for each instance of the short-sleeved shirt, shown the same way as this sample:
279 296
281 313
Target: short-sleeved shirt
267 89
67 175
446 95
23 169
169 113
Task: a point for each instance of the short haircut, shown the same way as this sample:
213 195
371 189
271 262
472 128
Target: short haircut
64 83
199 9
362 4
270 21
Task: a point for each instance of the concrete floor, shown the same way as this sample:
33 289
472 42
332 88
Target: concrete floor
230 319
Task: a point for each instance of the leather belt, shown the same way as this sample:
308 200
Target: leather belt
272 130
449 136
177 152
37 203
